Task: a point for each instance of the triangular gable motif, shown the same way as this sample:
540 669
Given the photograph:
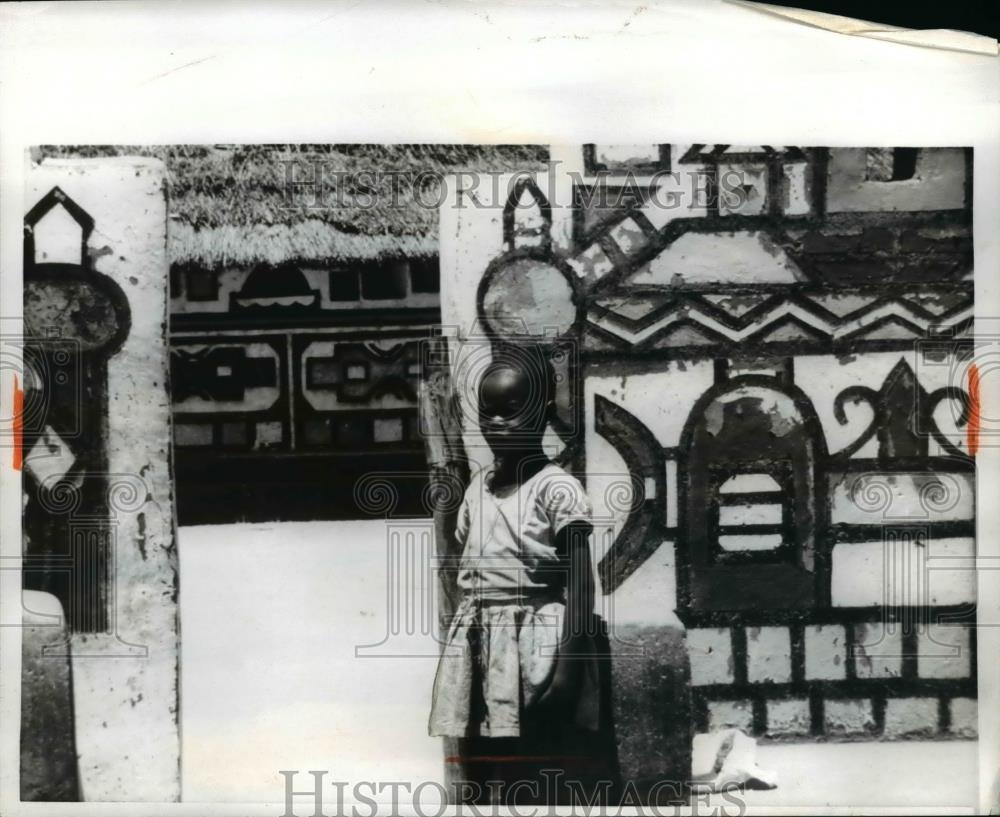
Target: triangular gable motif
788 328
843 304
939 303
738 258
756 482
734 304
684 334
596 339
633 308
891 327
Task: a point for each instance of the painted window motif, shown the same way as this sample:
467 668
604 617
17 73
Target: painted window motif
385 282
751 457
890 164
389 280
345 285
201 285
751 511
425 275
625 159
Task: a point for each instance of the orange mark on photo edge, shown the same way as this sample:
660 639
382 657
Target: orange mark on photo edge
18 411
972 430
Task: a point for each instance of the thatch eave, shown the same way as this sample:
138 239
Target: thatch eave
250 204
306 242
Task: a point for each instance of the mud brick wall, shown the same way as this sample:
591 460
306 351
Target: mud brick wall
126 673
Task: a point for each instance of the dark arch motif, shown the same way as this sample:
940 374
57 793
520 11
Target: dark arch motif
725 437
270 285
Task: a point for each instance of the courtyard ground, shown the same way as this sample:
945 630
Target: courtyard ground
271 616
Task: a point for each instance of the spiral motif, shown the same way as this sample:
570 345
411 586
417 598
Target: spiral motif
126 493
937 497
623 495
871 493
57 496
443 493
376 494
858 395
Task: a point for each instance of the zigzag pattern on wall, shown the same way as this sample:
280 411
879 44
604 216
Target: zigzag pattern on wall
653 320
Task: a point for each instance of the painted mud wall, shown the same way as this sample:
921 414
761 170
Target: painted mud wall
97 472
649 689
809 290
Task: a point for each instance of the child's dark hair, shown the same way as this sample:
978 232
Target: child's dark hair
532 360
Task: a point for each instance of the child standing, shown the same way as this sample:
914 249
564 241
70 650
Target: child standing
517 681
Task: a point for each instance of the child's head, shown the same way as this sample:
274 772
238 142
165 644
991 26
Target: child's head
516 396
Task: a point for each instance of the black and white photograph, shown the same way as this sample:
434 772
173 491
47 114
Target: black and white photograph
351 476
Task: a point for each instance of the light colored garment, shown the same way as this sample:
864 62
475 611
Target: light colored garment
498 661
510 539
501 649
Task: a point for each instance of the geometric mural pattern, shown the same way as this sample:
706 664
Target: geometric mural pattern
819 316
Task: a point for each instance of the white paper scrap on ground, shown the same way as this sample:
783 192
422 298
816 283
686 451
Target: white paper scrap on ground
728 759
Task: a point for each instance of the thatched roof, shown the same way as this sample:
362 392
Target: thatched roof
230 204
